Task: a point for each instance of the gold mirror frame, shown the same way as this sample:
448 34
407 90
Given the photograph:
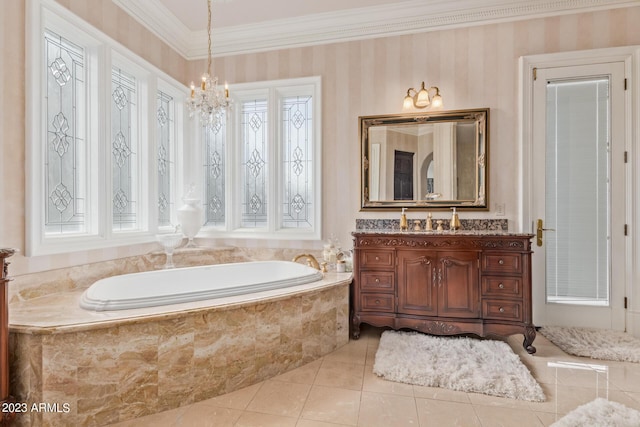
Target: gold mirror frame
413 123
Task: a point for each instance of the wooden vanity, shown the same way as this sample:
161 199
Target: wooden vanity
7 402
443 283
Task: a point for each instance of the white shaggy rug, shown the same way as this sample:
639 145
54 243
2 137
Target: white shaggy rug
600 413
595 343
458 363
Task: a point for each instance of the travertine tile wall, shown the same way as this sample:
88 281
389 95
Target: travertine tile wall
474 67
144 366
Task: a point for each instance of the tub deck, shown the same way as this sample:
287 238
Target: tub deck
62 311
113 366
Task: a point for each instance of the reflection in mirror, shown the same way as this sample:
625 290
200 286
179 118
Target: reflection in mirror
435 159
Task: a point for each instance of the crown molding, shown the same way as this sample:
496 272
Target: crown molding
412 16
160 21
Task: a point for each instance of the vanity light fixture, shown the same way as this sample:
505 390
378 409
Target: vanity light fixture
209 102
421 98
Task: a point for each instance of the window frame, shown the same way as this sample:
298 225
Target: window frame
101 52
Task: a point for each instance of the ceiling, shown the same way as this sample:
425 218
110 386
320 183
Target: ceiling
247 26
227 13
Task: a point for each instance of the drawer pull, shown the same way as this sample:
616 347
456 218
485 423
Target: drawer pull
377 258
501 261
377 280
377 302
501 286
501 309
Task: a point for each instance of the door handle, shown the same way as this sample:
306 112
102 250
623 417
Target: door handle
539 231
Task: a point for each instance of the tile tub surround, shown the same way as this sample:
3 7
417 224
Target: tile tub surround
466 224
111 369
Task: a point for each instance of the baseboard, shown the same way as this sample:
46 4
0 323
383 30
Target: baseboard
633 323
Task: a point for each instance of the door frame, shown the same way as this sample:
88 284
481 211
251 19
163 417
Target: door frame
631 57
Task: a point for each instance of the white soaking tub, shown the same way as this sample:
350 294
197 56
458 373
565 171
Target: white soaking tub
172 286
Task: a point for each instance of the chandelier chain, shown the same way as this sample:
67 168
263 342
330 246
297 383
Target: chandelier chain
209 34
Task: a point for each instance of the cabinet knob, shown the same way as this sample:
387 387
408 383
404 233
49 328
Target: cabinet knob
501 309
501 286
378 302
377 280
501 262
377 258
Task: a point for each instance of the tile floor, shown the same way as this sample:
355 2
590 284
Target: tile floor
341 390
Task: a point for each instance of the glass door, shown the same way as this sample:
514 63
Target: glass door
579 196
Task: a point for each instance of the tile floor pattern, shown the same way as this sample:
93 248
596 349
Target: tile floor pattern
341 390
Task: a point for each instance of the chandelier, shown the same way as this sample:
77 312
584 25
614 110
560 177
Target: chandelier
208 101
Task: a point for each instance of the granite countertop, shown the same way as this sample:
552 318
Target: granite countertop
441 233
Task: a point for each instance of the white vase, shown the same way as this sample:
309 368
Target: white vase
190 218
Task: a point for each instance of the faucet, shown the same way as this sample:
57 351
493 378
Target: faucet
311 260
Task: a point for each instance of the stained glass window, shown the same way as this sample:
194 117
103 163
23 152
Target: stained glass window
123 150
166 162
297 143
66 151
214 173
254 140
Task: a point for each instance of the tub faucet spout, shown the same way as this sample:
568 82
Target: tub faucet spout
311 260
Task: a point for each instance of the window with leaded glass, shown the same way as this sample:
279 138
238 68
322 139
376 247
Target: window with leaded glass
100 171
164 151
254 140
262 164
297 146
214 173
124 149
65 155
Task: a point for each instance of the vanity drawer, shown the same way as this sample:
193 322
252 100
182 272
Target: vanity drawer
496 286
377 259
502 263
502 310
377 302
377 281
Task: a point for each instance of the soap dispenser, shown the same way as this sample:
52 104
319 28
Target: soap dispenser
455 221
403 221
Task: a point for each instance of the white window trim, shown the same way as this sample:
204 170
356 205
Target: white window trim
103 51
272 90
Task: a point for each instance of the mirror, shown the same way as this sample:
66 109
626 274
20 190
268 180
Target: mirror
426 160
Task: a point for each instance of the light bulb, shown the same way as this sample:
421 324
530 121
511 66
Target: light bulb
422 100
436 102
408 103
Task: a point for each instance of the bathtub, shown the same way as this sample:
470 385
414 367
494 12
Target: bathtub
172 286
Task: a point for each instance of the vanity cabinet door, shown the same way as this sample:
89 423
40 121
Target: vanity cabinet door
458 285
438 283
417 276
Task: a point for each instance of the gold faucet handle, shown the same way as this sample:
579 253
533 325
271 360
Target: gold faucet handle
324 267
